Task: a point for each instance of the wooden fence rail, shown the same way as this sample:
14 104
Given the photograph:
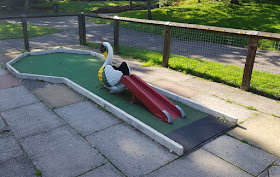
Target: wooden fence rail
254 36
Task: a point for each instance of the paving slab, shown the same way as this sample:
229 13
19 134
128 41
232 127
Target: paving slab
248 158
58 95
17 167
3 71
175 88
151 73
9 148
199 163
61 152
131 151
277 162
261 103
264 174
2 124
262 131
274 171
212 102
107 170
15 97
6 58
7 81
34 84
209 87
31 119
86 118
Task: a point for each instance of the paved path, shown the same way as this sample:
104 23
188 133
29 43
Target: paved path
51 128
268 61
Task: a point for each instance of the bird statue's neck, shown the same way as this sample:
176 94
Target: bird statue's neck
109 58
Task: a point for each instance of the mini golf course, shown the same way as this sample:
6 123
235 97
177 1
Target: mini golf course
192 130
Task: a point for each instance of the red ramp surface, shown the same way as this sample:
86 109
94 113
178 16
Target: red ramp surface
158 104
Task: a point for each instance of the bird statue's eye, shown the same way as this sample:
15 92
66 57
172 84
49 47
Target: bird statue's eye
102 48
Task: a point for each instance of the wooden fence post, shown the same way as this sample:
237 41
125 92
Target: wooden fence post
251 55
82 29
116 36
130 5
166 45
25 32
149 9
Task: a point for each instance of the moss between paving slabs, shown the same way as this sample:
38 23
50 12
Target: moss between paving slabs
82 69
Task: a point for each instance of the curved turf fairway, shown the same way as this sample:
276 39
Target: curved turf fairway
82 69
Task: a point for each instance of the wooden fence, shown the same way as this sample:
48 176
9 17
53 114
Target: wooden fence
254 36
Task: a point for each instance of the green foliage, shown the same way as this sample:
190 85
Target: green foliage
79 6
13 31
251 108
252 15
244 141
209 13
38 173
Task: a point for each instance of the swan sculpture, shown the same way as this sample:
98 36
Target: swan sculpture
109 74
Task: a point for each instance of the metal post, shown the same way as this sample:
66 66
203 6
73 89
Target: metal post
25 32
248 69
116 36
82 29
166 46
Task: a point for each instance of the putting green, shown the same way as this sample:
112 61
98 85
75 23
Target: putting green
82 69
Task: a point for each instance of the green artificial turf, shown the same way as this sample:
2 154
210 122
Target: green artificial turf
14 31
82 69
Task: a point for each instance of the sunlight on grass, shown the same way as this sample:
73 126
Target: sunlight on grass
262 83
252 15
81 6
14 31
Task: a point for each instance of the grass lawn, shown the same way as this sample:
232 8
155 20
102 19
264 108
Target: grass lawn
82 6
14 31
252 15
262 83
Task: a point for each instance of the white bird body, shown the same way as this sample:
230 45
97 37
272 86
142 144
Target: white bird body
108 75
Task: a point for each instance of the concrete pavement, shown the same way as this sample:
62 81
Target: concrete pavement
64 134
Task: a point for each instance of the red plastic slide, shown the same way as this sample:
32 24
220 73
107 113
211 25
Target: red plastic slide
158 104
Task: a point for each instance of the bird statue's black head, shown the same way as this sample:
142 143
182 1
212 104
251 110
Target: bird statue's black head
103 48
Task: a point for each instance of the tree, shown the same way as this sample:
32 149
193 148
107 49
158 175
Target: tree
236 2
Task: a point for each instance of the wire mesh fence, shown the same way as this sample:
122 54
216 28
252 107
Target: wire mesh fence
99 30
266 73
215 55
143 36
59 32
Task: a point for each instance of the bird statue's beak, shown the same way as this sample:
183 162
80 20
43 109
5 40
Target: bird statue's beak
105 54
103 49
